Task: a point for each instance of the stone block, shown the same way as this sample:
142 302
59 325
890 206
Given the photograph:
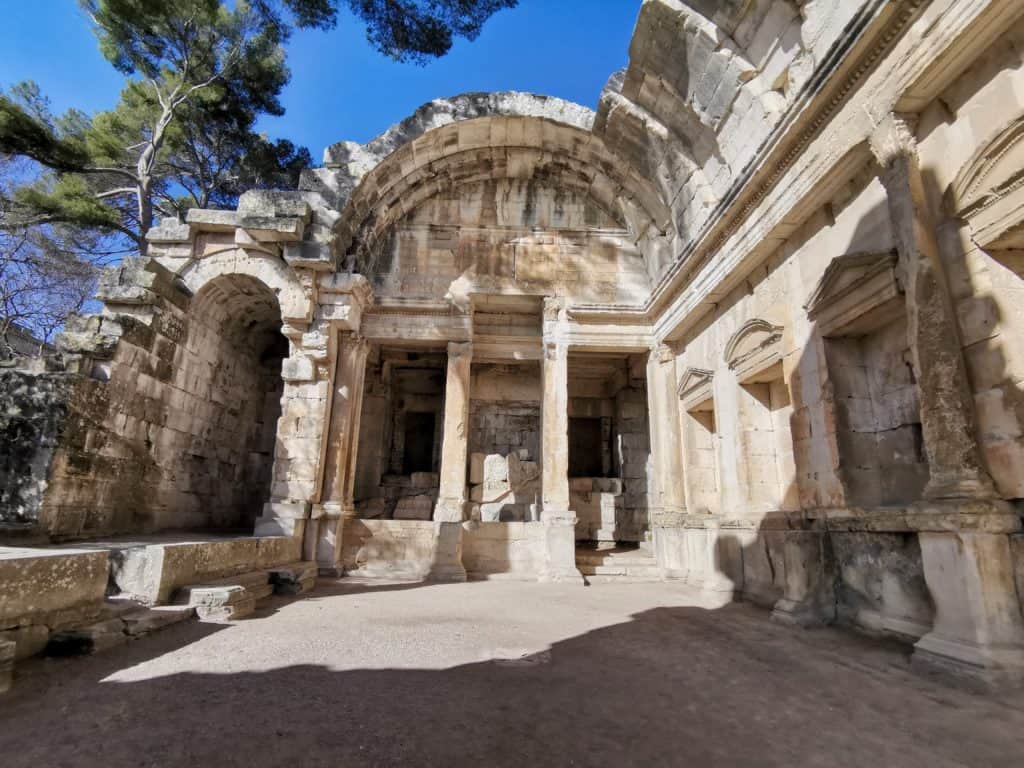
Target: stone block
424 480
414 508
495 470
151 619
6 665
520 471
38 582
28 640
476 468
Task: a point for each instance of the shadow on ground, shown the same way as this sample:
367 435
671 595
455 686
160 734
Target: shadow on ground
670 685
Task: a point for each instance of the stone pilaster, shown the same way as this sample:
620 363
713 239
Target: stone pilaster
336 503
947 409
454 447
978 628
451 500
559 521
666 501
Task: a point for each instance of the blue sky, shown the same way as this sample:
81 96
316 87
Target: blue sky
340 87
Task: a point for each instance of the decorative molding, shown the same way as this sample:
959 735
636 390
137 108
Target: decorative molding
755 346
695 387
988 191
858 293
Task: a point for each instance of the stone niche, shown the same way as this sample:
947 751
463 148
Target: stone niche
609 446
766 475
401 429
700 441
504 442
859 312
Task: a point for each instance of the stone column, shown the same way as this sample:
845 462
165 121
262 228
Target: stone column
963 528
451 500
666 501
558 520
340 453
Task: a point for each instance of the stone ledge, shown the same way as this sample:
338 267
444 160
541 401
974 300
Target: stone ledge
152 573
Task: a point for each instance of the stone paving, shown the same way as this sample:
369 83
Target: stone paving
495 674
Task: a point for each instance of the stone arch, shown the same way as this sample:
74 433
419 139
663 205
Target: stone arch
270 272
223 416
497 148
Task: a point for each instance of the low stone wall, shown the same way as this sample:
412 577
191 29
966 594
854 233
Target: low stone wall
880 585
43 590
503 550
397 549
151 574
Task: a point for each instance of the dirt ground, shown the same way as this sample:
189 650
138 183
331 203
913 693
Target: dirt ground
500 674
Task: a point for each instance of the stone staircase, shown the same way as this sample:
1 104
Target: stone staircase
236 596
606 563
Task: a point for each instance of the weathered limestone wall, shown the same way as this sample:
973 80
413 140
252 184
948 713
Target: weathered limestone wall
511 235
983 266
707 83
165 417
31 426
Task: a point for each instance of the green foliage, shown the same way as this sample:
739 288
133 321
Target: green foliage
199 74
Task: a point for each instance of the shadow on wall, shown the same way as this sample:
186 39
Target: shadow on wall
671 685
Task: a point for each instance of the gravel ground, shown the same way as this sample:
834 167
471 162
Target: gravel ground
500 674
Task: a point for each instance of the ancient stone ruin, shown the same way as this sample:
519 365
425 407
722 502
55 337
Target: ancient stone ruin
754 325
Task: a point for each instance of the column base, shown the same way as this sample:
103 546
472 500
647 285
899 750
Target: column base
447 564
560 548
449 510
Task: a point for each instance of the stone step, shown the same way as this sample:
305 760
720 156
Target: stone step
618 559
231 598
151 619
607 579
294 578
645 571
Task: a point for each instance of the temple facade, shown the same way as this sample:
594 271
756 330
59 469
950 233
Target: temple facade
754 325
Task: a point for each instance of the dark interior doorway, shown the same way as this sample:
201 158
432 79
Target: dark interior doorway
419 443
585 447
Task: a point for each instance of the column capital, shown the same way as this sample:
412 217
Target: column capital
893 138
457 349
664 352
554 308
